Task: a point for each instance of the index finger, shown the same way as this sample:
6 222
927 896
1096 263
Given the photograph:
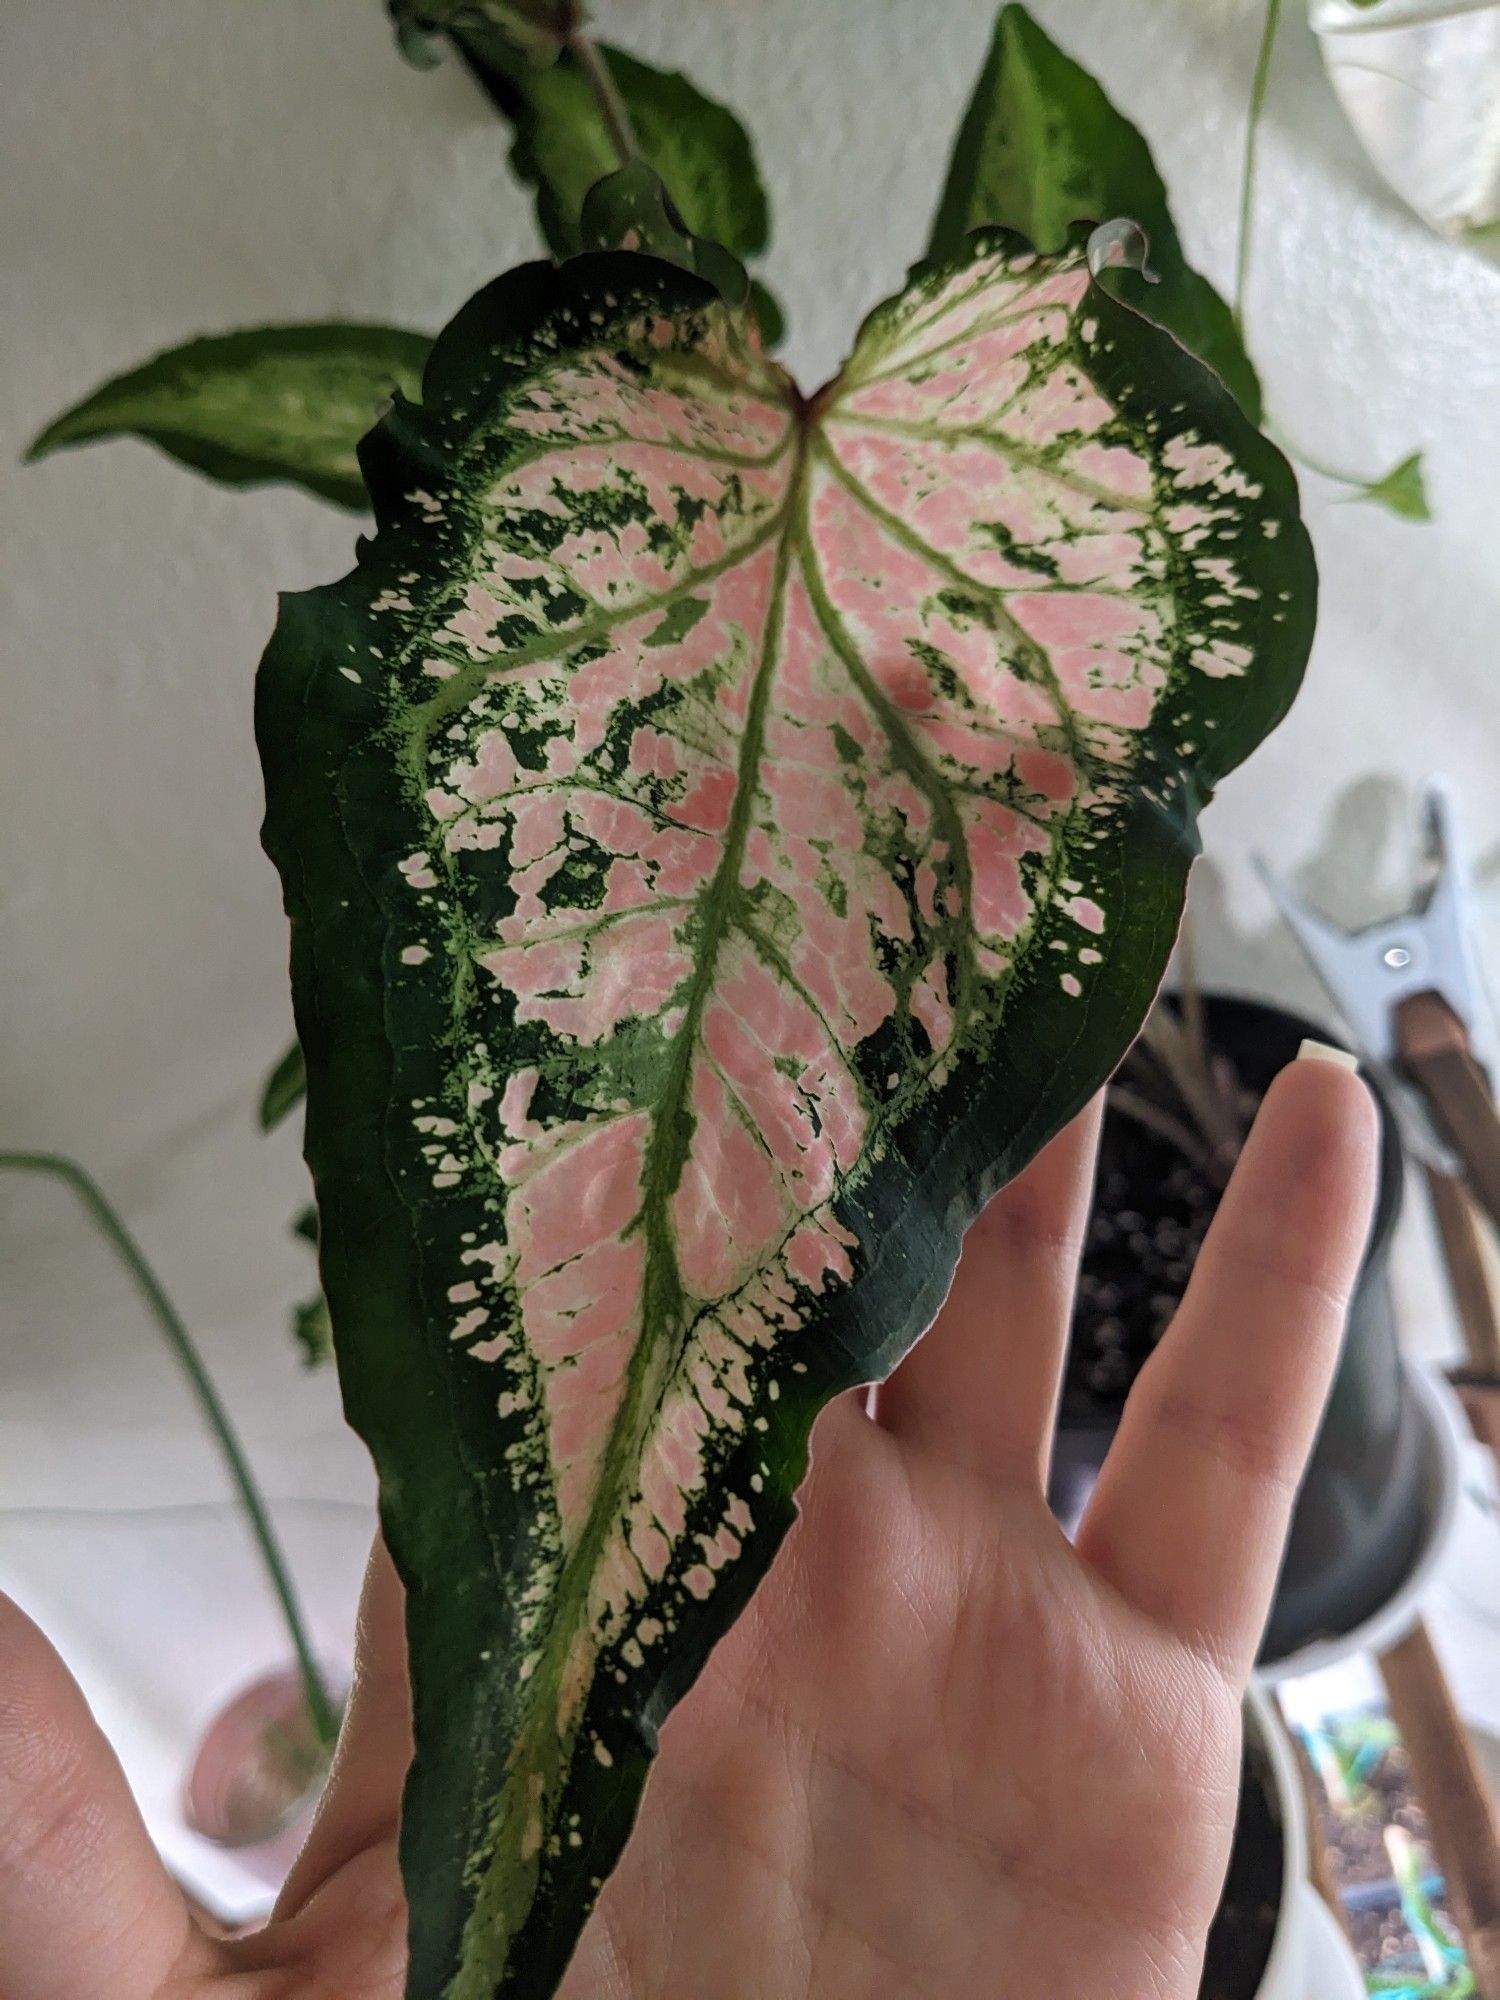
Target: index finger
1190 1515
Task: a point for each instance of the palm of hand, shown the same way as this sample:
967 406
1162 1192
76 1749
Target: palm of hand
943 1753
938 1757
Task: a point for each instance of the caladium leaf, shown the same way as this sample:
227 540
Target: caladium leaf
724 834
286 403
1041 148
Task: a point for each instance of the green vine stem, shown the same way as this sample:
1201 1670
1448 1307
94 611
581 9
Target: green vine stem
321 1709
1252 135
611 104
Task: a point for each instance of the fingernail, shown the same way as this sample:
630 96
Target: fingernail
1312 1051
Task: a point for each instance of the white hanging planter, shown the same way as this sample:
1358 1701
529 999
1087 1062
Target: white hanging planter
1420 82
1310 1956
1345 17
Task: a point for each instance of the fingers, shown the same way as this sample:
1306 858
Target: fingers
85 1903
361 1804
980 1387
1191 1511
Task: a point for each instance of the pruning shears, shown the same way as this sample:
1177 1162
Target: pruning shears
1410 992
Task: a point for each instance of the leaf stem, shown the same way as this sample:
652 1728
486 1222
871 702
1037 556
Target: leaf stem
1252 135
1133 1104
612 107
1305 458
321 1710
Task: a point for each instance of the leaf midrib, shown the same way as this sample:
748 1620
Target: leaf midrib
663 1294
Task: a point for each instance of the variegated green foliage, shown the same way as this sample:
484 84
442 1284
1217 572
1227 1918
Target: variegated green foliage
283 403
1041 148
724 835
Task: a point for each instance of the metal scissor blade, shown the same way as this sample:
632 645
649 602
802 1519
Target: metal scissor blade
1343 961
1350 966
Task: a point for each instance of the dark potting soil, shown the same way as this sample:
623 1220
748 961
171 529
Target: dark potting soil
1151 1212
1239 1943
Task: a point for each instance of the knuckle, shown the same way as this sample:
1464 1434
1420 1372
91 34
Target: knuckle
1019 1220
1241 1443
1239 1268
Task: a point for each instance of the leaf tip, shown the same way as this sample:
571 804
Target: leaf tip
1402 491
51 438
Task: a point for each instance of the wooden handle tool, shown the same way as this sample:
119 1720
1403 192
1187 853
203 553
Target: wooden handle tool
1460 1811
1433 1047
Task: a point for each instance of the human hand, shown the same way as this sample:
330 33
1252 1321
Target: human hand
943 1753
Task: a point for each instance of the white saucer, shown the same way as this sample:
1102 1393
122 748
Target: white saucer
1332 1969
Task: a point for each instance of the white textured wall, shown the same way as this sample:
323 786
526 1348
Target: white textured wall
178 166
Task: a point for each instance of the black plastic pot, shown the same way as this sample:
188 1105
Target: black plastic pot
1359 1515
1244 1925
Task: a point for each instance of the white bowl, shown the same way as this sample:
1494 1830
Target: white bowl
1310 1956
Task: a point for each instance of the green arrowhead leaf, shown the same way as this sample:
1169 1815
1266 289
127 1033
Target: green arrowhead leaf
284 1090
562 147
697 146
724 835
1402 490
283 403
1041 148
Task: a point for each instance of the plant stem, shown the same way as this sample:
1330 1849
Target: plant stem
320 1708
1315 465
612 108
1131 1102
1252 134
1164 1037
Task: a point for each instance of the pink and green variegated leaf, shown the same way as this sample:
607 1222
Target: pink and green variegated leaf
725 835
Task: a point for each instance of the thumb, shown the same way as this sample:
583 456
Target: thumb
86 1905
361 1804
